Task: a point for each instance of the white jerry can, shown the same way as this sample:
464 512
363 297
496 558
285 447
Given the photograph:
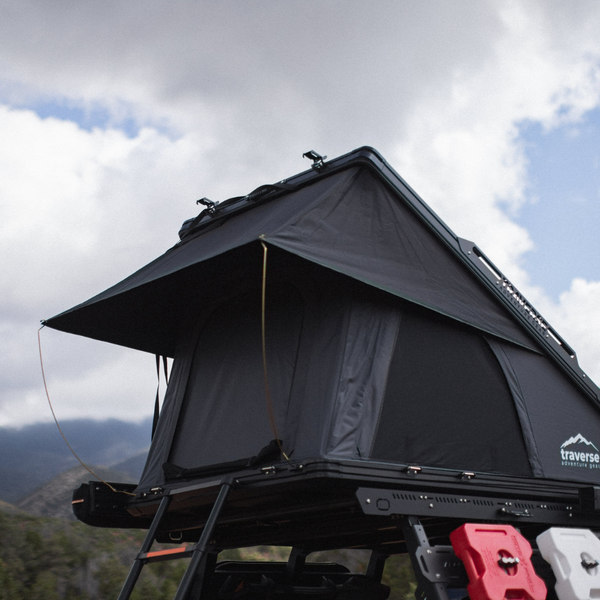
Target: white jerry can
575 558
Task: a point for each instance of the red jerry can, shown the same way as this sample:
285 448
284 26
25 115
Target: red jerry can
498 561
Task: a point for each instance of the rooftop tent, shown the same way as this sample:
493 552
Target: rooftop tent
387 340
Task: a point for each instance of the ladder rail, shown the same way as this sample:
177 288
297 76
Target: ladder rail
203 546
138 563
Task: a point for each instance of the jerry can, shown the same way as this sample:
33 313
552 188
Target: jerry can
574 555
497 559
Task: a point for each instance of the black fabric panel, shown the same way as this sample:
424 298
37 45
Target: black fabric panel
146 310
167 422
370 337
500 351
369 233
565 423
447 403
224 416
350 222
319 360
327 297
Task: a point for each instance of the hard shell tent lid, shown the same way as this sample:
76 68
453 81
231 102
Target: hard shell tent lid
389 338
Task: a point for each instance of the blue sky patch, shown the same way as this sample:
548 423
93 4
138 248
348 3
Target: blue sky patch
85 117
563 213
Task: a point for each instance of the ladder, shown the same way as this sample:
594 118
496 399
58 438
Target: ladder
203 555
337 581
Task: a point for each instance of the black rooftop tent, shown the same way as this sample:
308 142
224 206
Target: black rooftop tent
383 340
394 353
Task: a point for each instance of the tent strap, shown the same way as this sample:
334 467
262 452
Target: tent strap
157 399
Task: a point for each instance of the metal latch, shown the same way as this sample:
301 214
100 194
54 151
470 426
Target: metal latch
318 160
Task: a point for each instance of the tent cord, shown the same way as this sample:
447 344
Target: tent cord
272 421
60 430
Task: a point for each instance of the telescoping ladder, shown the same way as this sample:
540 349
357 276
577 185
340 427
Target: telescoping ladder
487 561
201 553
294 579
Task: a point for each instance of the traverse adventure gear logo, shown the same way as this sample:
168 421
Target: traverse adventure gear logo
577 452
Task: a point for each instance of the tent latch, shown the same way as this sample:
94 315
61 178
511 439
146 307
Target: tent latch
413 471
155 491
318 160
271 470
210 205
511 512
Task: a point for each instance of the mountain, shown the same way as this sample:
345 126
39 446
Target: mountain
10 509
35 454
132 466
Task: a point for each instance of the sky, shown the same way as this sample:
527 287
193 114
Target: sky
116 116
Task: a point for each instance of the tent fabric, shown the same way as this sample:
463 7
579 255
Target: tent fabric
371 334
350 222
381 344
317 324
564 427
227 366
520 402
447 403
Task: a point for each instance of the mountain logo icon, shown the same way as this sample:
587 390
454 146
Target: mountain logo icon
578 439
579 453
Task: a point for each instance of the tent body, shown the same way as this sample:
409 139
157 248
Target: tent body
381 339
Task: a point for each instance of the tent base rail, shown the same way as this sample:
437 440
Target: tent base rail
340 504
381 502
337 504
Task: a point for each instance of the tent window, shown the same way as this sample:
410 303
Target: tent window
224 416
447 403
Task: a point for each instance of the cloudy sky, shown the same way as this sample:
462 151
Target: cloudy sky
116 116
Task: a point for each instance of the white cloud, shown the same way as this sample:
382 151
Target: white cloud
227 96
577 318
78 211
463 156
69 197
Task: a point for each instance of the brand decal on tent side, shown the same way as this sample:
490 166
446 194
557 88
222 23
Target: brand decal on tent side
575 452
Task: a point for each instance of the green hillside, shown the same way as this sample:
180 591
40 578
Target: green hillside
55 559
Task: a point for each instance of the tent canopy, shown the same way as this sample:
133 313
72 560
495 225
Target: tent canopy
350 222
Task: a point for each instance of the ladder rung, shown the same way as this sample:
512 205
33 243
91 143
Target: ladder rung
170 554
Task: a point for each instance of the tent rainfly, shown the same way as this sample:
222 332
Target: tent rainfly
382 338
